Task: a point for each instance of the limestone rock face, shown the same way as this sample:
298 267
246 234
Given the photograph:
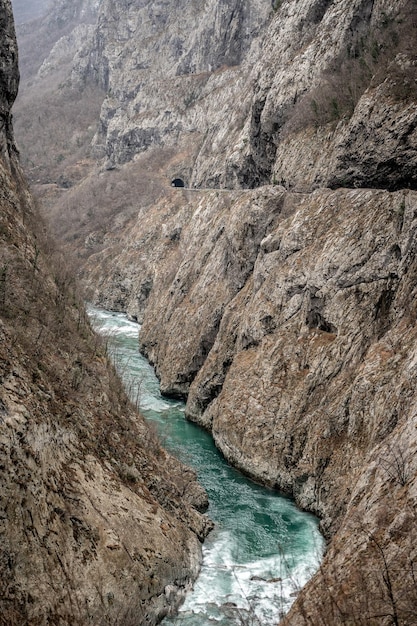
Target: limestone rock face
287 320
157 60
290 319
247 93
289 289
327 81
98 524
301 89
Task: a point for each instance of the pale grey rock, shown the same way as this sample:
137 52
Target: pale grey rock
300 46
231 87
68 48
231 84
158 60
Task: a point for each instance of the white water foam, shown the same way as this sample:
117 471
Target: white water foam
263 549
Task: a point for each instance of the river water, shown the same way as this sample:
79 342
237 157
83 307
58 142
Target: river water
263 549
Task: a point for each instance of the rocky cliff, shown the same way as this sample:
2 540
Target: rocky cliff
301 87
290 327
282 303
9 77
98 524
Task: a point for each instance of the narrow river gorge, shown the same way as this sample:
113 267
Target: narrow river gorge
263 549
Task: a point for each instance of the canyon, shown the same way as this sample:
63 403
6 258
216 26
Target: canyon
98 523
276 290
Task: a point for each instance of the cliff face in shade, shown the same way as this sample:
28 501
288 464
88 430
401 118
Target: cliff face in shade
9 77
97 522
282 303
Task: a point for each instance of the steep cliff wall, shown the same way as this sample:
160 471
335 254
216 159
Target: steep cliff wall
93 524
9 77
328 76
289 322
158 61
300 88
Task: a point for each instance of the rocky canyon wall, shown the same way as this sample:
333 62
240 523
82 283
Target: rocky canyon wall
281 302
329 102
98 524
288 322
300 88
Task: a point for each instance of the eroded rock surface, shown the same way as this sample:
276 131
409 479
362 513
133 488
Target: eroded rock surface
287 320
292 324
97 522
290 94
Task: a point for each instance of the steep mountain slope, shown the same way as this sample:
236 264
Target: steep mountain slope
330 101
298 88
289 322
97 522
282 304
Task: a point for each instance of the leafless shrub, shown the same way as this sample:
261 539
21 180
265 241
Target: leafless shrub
397 464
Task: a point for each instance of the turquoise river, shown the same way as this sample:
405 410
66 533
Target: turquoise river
263 549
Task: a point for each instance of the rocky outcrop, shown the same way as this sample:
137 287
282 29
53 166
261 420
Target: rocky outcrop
161 65
328 102
288 320
290 289
97 522
301 89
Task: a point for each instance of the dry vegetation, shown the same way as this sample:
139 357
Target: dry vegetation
44 315
54 118
61 405
54 128
369 60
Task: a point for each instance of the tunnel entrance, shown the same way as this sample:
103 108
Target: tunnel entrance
178 182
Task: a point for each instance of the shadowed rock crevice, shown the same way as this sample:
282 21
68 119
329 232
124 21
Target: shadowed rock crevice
315 314
317 11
